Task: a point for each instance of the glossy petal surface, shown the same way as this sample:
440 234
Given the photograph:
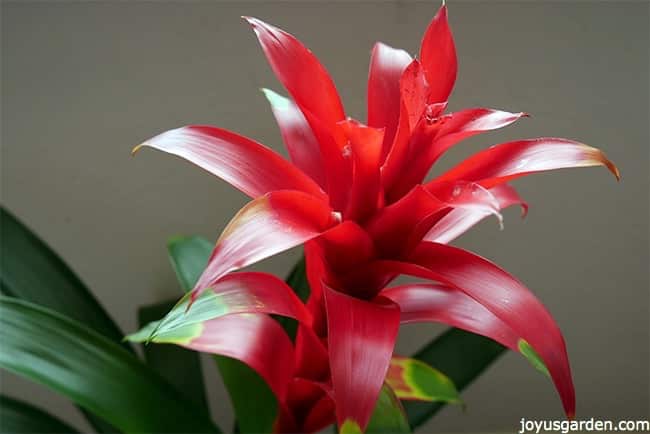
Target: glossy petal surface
386 67
438 57
460 220
247 165
268 225
414 93
507 299
303 148
366 146
254 339
501 163
360 352
423 302
435 135
300 72
249 292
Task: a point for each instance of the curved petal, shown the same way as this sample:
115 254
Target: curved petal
346 246
386 67
366 143
300 72
435 135
507 161
247 165
298 137
401 225
460 220
421 302
361 340
313 91
438 57
255 339
393 227
414 93
246 292
268 225
505 297
463 124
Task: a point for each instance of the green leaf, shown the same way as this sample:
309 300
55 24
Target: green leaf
255 405
180 367
350 427
19 417
415 380
32 271
389 415
94 372
531 355
189 255
462 356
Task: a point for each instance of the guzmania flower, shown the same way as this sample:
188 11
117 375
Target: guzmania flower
357 197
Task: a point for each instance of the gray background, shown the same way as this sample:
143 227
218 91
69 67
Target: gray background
84 82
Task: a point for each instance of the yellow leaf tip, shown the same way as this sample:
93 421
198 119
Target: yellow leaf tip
350 427
597 157
136 149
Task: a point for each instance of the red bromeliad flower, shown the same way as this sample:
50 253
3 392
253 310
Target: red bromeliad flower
355 195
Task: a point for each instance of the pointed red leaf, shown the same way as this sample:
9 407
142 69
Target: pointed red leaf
255 339
398 227
459 220
313 91
435 135
414 93
420 302
346 246
504 296
245 292
361 340
259 293
247 165
394 228
438 57
300 72
507 161
303 148
463 124
366 145
386 67
266 226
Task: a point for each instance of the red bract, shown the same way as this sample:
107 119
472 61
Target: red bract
355 195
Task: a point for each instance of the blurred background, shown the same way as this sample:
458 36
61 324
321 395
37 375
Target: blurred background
83 82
